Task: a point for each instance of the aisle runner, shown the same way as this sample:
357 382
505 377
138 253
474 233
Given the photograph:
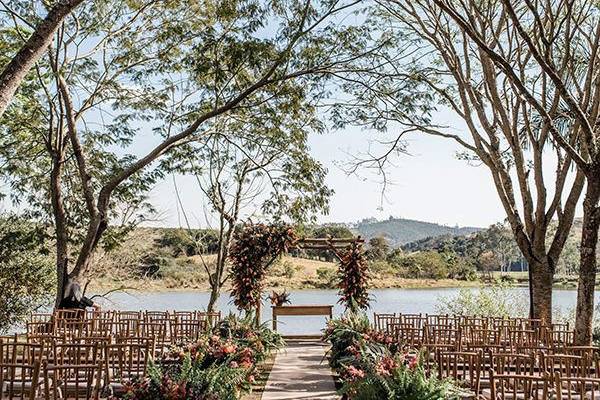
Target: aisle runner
301 372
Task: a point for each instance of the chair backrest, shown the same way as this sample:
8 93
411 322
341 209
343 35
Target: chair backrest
442 319
558 338
187 330
21 353
102 327
576 387
462 367
80 382
566 365
520 387
138 340
442 334
414 320
212 318
158 331
481 336
151 316
128 315
41 317
382 320
19 381
46 340
524 337
69 313
126 362
40 328
75 354
408 336
185 315
513 363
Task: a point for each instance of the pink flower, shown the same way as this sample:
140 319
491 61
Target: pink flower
355 372
414 362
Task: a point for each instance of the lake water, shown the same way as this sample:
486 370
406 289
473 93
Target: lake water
384 300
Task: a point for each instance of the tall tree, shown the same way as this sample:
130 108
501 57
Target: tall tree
434 64
557 43
148 76
256 161
32 49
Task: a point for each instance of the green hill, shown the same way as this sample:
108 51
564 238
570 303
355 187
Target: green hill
399 231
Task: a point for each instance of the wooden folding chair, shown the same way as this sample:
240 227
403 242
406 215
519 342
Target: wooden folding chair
408 336
518 387
75 354
19 381
463 367
211 318
187 330
158 331
125 363
381 321
414 320
576 388
513 364
566 365
22 353
72 382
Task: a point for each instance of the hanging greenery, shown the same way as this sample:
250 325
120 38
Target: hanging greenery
353 275
255 247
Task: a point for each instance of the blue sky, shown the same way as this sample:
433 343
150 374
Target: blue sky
430 184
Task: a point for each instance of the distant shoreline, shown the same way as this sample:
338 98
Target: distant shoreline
158 286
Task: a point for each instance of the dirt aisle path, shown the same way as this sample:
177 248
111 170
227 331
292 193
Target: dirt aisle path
301 372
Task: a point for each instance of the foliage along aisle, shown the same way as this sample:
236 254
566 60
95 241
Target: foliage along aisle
371 364
221 365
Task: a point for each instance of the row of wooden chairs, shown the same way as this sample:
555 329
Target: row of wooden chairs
544 387
56 371
500 358
416 330
381 320
165 328
475 369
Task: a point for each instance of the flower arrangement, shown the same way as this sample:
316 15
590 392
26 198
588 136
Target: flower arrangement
353 276
255 247
221 365
371 365
279 299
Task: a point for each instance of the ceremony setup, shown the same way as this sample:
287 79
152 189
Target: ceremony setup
299 199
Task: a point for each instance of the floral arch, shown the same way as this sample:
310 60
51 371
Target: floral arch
256 246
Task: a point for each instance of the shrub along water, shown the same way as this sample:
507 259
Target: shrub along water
372 366
221 365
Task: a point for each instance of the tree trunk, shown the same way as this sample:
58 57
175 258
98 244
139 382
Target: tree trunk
587 268
542 278
215 293
60 225
32 50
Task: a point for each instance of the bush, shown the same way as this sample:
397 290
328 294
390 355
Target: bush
424 264
151 264
372 366
284 269
327 276
381 267
219 366
27 274
185 242
493 301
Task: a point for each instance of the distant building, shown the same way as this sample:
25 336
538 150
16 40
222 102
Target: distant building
518 266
